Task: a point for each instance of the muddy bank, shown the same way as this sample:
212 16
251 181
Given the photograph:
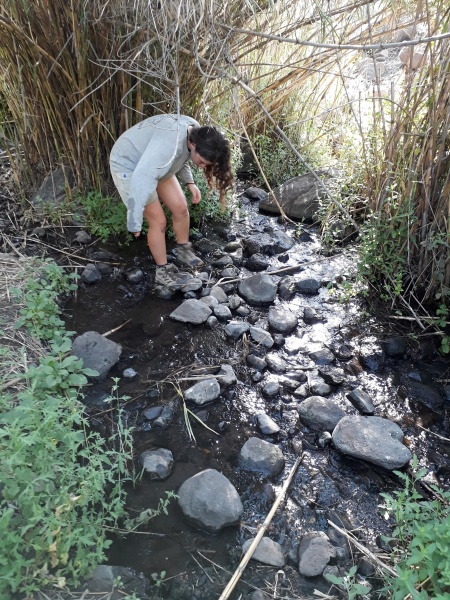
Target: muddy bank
404 379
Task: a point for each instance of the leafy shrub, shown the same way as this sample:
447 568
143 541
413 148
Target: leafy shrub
422 541
105 216
61 484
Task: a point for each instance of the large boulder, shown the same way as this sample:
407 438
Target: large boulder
209 501
258 290
298 197
374 439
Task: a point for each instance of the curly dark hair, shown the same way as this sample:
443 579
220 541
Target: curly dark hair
215 148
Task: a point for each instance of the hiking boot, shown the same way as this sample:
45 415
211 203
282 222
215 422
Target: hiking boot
185 256
167 276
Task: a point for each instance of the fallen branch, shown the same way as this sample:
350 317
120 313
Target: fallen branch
370 555
116 328
225 280
237 574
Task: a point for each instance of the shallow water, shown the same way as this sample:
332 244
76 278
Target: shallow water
327 484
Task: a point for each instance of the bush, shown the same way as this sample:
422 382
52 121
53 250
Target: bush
61 484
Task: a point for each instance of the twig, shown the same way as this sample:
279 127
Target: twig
202 568
116 328
224 280
370 555
237 574
441 437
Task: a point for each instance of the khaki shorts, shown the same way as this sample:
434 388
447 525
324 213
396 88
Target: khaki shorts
122 181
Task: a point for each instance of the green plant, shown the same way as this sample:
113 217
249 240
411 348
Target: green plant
62 484
39 299
278 161
349 584
421 539
105 216
158 578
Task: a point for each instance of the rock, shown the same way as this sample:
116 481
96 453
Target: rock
275 363
287 287
98 352
361 401
371 354
310 316
218 293
257 262
203 392
53 191
319 388
224 261
298 197
411 58
82 237
166 416
308 286
115 582
424 394
261 337
331 375
322 357
261 457
222 312
212 322
282 320
267 552
230 273
152 413
134 276
267 425
255 193
376 440
270 389
130 373
235 329
191 311
258 290
209 501
90 274
234 302
210 301
158 464
315 552
341 351
226 376
256 362
320 413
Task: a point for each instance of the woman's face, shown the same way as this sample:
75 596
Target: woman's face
197 159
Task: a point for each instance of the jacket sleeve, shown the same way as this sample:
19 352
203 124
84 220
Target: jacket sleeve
185 174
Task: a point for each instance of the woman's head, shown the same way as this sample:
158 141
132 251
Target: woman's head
210 150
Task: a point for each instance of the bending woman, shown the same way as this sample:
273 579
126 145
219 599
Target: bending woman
145 162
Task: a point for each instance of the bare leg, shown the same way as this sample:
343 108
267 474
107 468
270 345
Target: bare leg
171 195
156 235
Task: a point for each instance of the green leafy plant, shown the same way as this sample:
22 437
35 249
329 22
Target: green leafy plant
158 578
349 584
40 312
421 539
105 216
62 484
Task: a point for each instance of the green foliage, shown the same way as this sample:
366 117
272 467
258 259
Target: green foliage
40 311
422 541
158 578
105 216
349 584
277 160
131 524
62 485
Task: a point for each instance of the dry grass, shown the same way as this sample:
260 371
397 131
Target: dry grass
19 348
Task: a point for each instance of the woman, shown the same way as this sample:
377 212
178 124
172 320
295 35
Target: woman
144 163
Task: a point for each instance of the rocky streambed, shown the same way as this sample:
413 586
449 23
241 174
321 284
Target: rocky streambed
256 362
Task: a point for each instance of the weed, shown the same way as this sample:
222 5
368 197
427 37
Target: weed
421 540
349 584
158 578
105 216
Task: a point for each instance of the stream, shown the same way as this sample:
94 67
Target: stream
328 486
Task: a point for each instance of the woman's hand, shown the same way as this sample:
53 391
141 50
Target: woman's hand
195 192
136 234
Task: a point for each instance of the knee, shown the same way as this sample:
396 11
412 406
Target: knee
180 212
159 224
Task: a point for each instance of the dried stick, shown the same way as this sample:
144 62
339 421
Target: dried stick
116 328
364 550
237 574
